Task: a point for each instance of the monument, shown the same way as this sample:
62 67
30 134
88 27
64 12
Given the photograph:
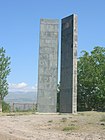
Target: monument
68 94
48 66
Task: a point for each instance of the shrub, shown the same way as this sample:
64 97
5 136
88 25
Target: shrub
5 107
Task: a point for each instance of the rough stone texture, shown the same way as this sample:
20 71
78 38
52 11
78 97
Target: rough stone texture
48 66
68 96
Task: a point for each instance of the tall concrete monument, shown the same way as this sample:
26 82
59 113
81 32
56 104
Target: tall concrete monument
48 66
68 96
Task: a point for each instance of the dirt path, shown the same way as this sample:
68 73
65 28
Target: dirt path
84 126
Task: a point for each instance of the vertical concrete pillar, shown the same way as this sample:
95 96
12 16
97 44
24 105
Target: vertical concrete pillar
48 66
68 96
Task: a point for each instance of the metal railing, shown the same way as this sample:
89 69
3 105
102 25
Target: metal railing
23 107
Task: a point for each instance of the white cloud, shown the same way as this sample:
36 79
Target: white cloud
18 86
21 87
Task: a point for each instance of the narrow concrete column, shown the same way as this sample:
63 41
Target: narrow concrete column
68 96
48 66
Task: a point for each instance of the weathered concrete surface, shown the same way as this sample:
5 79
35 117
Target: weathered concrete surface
68 96
48 66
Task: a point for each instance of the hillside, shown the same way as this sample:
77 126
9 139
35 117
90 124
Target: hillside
21 97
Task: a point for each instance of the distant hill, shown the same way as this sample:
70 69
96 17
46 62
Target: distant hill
21 97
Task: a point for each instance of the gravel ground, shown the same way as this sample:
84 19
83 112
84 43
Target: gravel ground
83 126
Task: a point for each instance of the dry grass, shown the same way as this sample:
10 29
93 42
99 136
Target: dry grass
103 118
53 127
70 128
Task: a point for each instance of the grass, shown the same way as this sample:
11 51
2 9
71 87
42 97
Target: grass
103 118
69 128
74 121
50 121
15 113
64 120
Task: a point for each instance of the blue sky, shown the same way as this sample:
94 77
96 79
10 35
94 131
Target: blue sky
20 26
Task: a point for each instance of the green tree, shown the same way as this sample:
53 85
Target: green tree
91 80
4 72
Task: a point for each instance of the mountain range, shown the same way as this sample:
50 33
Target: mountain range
21 97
